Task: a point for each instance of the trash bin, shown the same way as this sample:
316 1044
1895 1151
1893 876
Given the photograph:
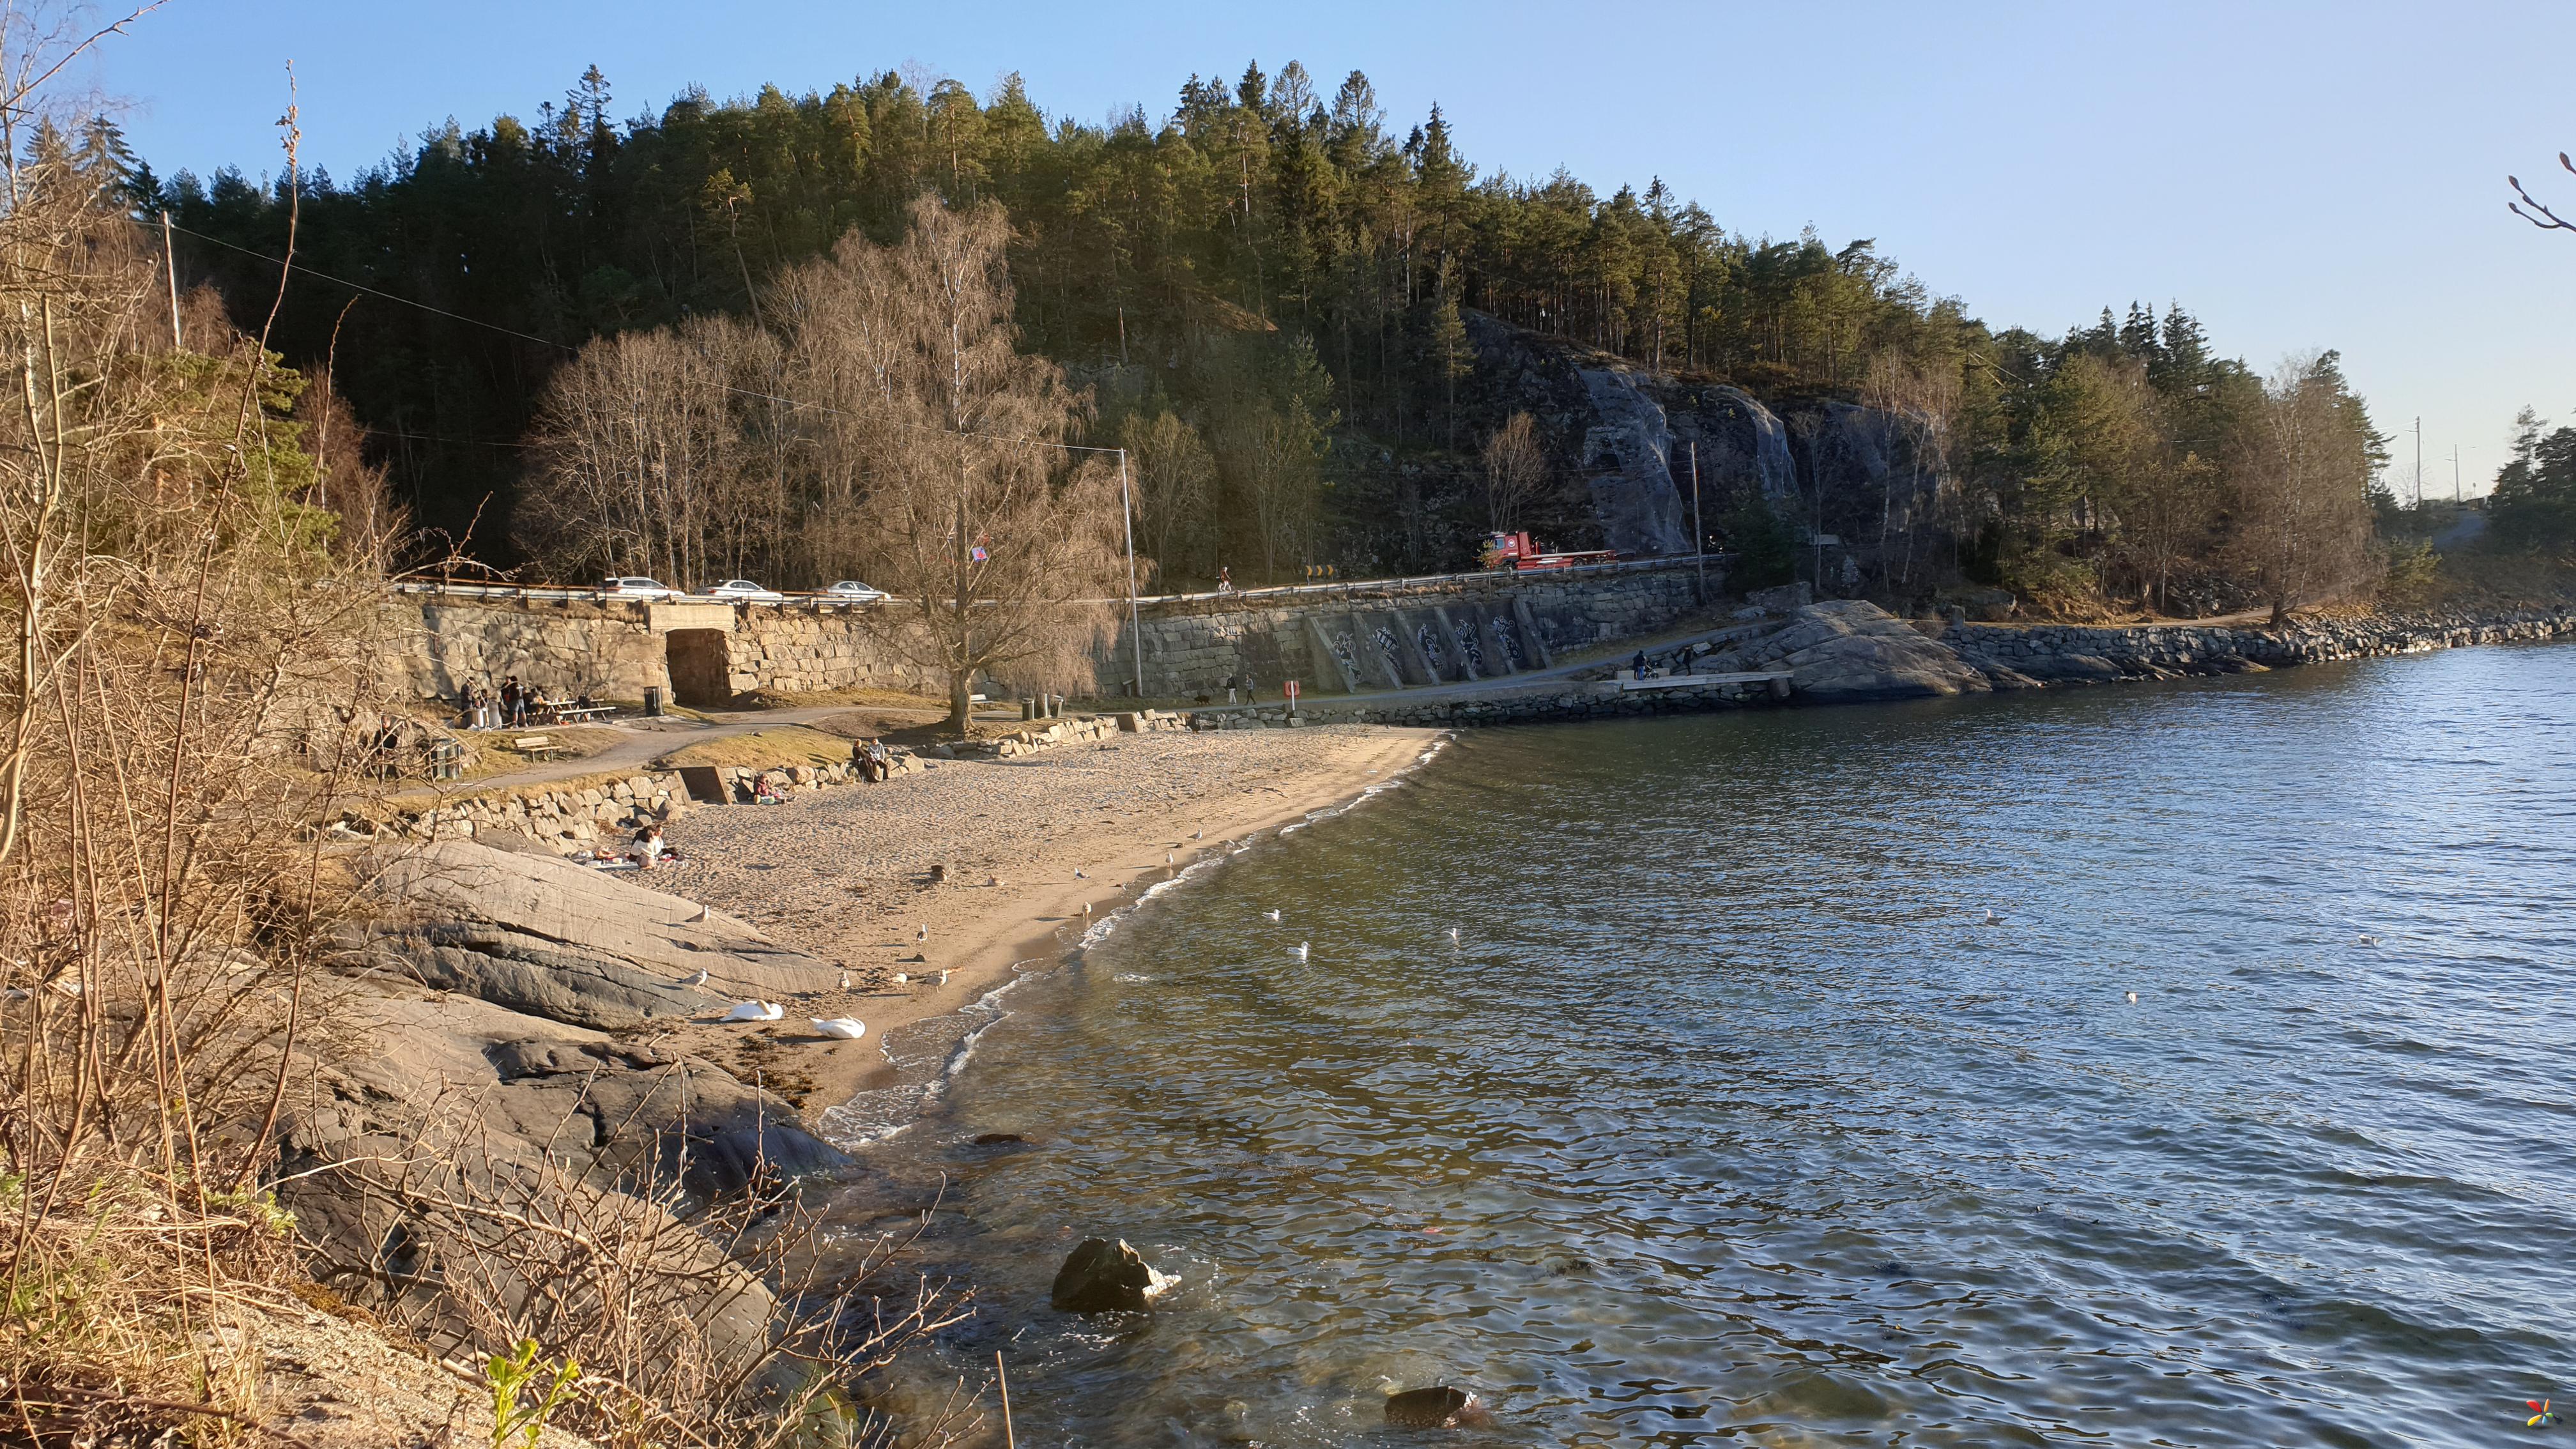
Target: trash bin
653 699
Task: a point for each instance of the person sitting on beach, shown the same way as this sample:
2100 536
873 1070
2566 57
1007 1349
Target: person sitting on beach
880 764
649 848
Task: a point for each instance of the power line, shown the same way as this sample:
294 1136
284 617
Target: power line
568 347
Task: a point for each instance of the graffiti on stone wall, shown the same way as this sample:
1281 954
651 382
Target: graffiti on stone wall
1430 642
1342 650
1509 643
1468 649
1386 645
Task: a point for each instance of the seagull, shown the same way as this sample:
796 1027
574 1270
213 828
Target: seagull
996 881
756 1011
847 1028
923 934
1194 835
700 979
1270 915
1453 935
2133 998
1086 908
1991 918
1301 950
1082 875
845 981
2367 941
1167 857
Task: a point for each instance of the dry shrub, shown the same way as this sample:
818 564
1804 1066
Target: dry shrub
185 682
729 1323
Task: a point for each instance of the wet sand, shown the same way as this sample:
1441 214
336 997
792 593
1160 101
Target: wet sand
1026 844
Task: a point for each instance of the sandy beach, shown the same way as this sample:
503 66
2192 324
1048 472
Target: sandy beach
1026 845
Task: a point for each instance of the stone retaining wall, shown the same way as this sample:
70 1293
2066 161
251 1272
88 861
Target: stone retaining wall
1392 634
1539 704
618 648
1398 633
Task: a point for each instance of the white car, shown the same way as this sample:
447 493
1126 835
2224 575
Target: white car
636 587
852 591
745 591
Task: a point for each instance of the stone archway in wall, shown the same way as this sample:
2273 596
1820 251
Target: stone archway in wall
701 667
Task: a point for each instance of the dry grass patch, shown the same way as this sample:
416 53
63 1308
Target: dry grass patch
763 749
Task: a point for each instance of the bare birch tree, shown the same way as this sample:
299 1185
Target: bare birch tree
2302 487
1003 547
1515 471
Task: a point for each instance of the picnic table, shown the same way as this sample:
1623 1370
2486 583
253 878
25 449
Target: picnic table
565 711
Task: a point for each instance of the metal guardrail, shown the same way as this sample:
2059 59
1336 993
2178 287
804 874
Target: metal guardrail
471 589
1343 588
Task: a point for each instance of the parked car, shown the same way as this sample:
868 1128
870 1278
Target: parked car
745 591
636 587
852 591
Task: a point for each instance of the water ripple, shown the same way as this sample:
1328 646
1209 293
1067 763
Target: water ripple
1728 1119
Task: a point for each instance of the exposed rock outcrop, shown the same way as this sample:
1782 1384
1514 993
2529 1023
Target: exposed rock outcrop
1845 649
559 940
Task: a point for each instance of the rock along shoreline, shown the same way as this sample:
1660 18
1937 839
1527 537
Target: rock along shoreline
1849 651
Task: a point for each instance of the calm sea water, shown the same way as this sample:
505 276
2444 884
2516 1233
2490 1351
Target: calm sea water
1729 1120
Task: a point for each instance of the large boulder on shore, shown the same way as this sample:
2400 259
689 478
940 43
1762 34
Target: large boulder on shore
1104 1277
1844 649
458 1101
554 938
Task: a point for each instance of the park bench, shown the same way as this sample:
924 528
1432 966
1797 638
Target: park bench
544 747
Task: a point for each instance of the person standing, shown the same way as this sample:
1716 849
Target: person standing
1229 689
514 701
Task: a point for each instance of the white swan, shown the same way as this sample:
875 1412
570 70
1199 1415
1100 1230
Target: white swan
847 1028
1301 950
756 1011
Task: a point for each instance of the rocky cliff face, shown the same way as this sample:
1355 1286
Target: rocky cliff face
1626 456
1634 439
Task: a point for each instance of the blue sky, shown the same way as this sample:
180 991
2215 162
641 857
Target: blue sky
2299 176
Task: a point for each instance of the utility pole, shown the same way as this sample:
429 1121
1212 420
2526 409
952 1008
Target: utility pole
2419 460
170 269
1699 534
2455 475
1135 622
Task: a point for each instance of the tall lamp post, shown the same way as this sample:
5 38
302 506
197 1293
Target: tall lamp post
1135 621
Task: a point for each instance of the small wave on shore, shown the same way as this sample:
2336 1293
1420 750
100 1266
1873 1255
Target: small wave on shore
927 1056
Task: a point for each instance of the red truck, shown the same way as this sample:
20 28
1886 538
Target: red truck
1514 553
